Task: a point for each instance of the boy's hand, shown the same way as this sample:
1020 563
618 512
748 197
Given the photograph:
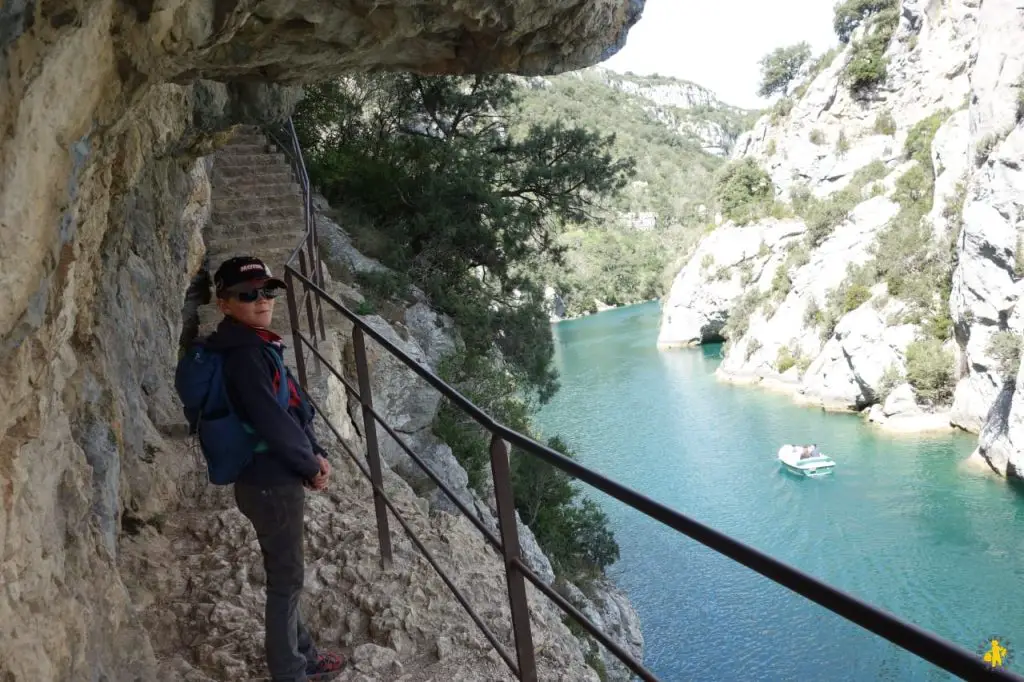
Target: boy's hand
319 481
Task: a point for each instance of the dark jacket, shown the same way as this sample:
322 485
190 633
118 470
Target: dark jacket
249 378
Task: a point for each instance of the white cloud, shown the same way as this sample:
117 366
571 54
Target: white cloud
718 43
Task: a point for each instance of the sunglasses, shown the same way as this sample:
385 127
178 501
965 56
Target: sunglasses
254 295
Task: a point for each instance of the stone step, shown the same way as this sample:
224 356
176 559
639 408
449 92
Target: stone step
217 233
224 230
256 242
257 199
256 186
249 137
275 172
251 159
257 211
234 148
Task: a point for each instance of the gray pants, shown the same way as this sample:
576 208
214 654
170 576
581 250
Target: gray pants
277 515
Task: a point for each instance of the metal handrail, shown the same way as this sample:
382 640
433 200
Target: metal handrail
916 640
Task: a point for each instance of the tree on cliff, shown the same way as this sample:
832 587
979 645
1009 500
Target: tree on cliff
457 202
780 67
466 203
850 14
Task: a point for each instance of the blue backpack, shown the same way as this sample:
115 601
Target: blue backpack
227 442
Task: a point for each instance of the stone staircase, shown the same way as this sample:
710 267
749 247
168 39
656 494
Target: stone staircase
257 211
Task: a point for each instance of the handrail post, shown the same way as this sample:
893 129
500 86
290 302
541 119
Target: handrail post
320 274
293 320
309 306
511 552
372 451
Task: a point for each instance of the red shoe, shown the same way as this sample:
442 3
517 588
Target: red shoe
326 667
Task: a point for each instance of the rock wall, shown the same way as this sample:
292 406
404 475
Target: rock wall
960 58
104 115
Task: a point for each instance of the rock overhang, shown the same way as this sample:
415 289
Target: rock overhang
299 41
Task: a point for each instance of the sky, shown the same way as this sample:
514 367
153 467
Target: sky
718 43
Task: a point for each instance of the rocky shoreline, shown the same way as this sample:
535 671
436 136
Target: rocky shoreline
864 187
892 421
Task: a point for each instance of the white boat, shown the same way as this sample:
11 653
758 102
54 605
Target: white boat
806 460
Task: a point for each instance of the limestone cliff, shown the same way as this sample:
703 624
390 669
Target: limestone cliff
804 299
102 199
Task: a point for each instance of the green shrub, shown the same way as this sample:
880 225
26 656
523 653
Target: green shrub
797 256
829 321
781 109
785 359
868 65
753 346
918 146
380 286
746 274
822 216
930 370
885 124
707 262
875 170
781 284
365 307
1005 347
848 297
771 148
817 137
891 378
570 528
915 187
842 144
953 211
812 314
984 148
937 322
763 251
788 358
1018 258
800 197
913 265
802 363
906 258
596 663
739 317
1020 99
744 191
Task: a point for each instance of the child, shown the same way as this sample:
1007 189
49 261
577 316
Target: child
270 491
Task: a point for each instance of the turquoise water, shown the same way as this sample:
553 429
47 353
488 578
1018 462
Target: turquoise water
902 524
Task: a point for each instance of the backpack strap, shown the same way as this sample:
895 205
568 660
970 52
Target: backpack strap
282 371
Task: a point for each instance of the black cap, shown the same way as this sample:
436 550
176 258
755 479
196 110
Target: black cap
243 273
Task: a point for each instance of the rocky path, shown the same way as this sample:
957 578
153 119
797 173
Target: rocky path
198 577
